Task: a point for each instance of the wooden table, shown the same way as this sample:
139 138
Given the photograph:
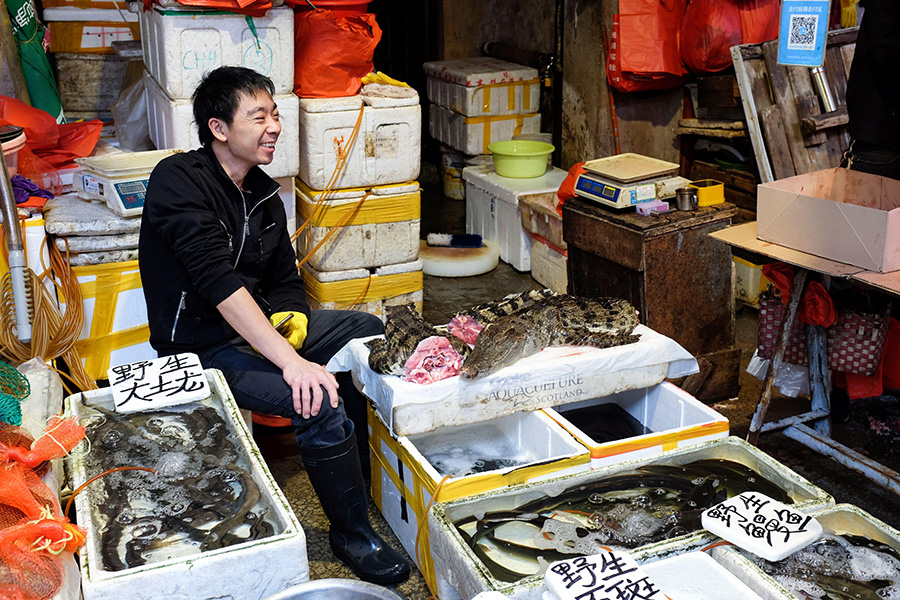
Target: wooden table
667 267
817 437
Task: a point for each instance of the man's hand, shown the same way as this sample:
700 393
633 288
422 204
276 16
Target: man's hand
307 380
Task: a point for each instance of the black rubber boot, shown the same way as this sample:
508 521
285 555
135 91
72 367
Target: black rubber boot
335 474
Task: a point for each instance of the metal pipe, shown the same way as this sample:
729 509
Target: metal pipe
17 265
870 469
818 75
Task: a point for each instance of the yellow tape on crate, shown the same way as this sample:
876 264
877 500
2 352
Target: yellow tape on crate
487 121
109 281
510 94
374 209
364 289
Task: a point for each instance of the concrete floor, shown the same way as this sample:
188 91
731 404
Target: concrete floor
443 296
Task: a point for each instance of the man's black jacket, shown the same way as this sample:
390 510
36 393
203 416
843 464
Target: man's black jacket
202 238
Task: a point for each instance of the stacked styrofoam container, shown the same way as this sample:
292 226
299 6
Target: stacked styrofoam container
181 45
358 199
476 101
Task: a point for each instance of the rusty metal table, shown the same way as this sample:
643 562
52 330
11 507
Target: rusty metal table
677 277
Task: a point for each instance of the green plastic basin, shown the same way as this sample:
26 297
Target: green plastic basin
520 159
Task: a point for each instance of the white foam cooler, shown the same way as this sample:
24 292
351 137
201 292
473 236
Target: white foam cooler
548 266
181 45
493 212
378 226
461 574
483 86
408 473
172 126
251 570
368 290
473 135
387 148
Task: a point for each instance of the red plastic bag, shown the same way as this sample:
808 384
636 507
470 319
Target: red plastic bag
567 187
332 54
709 30
75 141
40 127
626 81
759 20
648 38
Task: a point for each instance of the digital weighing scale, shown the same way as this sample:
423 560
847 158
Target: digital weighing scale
119 180
624 180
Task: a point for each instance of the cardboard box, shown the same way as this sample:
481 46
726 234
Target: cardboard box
847 216
548 266
405 483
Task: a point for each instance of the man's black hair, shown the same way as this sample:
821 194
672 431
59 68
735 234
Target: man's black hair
219 94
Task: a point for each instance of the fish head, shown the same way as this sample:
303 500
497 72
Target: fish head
505 343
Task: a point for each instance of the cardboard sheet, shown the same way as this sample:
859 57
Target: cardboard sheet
554 376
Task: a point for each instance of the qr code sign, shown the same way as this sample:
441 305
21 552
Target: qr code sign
802 34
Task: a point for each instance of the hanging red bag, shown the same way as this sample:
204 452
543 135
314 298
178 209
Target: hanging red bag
332 54
625 81
648 37
709 29
759 20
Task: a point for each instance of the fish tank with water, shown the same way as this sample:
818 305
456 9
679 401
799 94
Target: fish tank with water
175 485
505 540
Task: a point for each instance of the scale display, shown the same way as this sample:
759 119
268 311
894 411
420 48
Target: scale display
125 197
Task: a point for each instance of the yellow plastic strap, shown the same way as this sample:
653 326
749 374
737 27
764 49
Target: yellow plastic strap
488 121
486 99
353 291
109 281
376 209
510 94
667 441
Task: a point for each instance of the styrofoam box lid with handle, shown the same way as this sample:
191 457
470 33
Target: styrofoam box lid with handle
706 580
610 575
481 70
556 375
376 99
761 525
510 189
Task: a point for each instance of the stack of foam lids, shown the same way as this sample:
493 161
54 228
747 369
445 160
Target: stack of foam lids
84 223
476 101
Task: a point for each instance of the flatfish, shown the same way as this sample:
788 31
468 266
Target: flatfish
404 328
558 320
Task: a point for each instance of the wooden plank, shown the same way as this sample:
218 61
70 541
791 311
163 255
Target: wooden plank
836 76
777 142
740 199
839 37
717 91
784 95
847 53
733 178
712 124
728 134
808 106
824 121
755 95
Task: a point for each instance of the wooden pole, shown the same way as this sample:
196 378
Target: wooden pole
11 55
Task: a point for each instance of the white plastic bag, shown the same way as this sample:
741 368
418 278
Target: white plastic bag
791 380
130 114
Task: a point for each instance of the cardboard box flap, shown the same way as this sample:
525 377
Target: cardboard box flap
477 71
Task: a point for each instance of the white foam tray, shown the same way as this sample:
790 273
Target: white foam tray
172 126
387 148
472 135
493 212
250 570
556 375
181 45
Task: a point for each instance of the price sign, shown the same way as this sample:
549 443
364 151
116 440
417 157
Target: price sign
761 525
801 37
153 384
608 576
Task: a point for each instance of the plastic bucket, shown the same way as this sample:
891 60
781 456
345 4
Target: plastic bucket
451 173
335 589
11 147
341 8
520 159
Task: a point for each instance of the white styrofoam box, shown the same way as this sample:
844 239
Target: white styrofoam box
461 574
250 570
407 472
382 230
387 147
841 519
288 198
548 267
473 135
708 579
360 289
556 375
181 45
172 126
671 417
482 86
493 212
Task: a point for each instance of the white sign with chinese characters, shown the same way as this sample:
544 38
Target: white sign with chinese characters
761 525
153 384
610 575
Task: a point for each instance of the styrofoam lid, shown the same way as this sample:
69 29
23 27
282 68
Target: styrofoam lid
510 189
328 276
708 579
124 164
482 70
88 15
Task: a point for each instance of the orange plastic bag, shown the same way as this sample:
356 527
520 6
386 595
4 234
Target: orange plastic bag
332 54
709 29
759 20
627 81
648 40
40 127
75 141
